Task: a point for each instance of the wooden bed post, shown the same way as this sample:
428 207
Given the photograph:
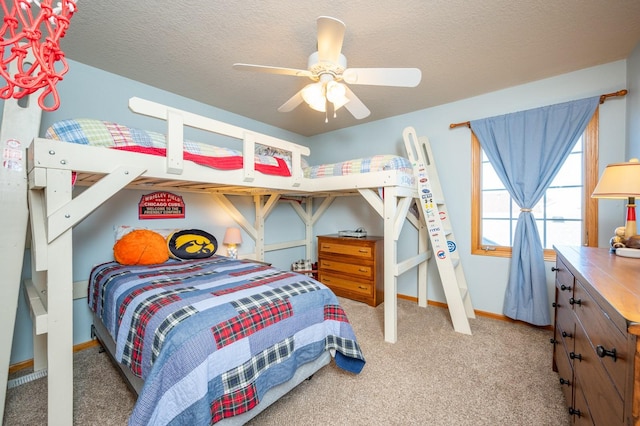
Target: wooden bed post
308 228
59 305
259 226
20 124
423 247
390 257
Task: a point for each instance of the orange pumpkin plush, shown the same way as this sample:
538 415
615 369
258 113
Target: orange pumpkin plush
141 247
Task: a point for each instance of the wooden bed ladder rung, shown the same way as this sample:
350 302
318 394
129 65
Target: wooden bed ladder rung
37 308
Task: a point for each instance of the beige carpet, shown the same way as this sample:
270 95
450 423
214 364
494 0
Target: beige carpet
501 375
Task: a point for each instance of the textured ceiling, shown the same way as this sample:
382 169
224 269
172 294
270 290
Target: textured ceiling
464 48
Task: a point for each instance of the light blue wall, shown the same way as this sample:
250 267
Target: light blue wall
89 92
633 102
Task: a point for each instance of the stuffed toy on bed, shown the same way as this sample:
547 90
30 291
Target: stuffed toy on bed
141 247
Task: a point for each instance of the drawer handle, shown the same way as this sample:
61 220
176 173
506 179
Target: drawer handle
327 264
602 352
554 269
553 341
564 382
565 287
363 251
574 412
362 287
363 270
565 334
574 355
573 301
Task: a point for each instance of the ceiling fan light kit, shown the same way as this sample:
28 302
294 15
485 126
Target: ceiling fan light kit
316 95
328 68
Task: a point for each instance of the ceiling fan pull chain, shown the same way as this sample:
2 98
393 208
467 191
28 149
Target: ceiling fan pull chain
326 104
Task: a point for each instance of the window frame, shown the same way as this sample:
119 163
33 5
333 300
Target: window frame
590 148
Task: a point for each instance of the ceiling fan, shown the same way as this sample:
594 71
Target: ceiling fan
328 69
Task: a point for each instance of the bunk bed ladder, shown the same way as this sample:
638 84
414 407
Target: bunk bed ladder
441 237
20 124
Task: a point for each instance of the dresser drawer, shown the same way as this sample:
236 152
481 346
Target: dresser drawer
605 401
332 247
362 271
564 285
603 332
565 328
338 283
581 413
565 372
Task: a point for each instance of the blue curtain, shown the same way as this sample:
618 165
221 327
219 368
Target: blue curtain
526 150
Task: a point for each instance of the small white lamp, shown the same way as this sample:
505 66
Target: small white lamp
232 238
622 180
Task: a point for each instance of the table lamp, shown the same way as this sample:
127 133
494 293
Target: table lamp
622 180
232 238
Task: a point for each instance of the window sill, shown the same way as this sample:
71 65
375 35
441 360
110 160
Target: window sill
549 255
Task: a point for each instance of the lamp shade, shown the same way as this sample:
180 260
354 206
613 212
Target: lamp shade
619 180
232 236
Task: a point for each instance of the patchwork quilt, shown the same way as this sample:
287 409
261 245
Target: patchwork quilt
210 337
116 136
376 163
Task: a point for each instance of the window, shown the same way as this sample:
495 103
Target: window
566 214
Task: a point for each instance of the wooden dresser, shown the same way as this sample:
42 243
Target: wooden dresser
597 321
352 267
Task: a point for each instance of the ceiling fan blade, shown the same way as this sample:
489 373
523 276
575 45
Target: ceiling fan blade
355 105
330 37
292 103
399 77
273 70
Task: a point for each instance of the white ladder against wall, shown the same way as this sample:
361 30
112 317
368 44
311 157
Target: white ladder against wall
443 243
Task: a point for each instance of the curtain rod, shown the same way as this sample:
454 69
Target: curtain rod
603 98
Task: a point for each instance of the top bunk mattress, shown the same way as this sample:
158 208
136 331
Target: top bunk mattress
116 136
268 160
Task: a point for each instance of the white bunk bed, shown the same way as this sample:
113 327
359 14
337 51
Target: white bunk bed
54 211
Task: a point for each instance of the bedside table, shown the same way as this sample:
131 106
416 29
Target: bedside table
352 267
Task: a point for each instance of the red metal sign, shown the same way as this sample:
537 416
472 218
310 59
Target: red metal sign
161 205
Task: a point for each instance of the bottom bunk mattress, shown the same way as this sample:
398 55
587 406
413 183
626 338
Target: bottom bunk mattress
211 337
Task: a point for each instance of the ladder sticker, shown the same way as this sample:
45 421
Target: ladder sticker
441 254
12 155
443 215
452 246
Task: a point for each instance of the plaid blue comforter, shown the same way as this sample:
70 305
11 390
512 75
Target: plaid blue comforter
254 326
